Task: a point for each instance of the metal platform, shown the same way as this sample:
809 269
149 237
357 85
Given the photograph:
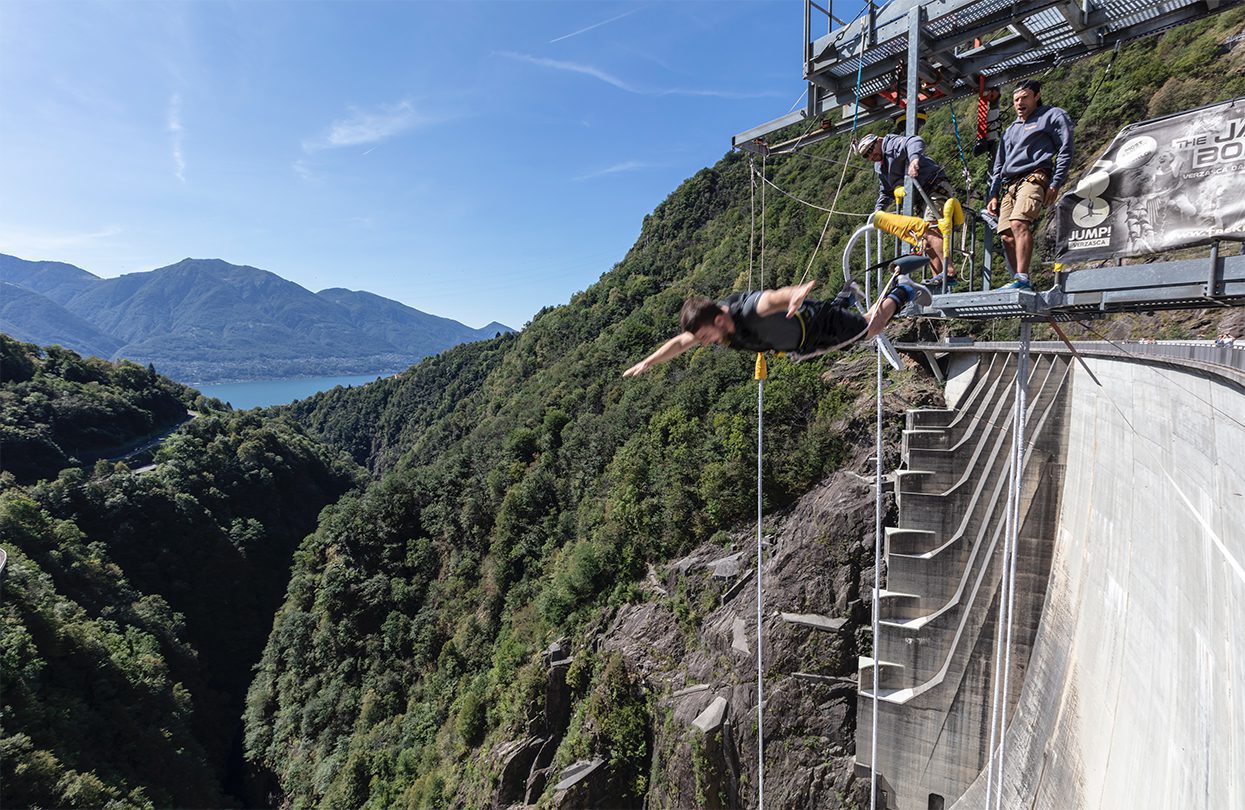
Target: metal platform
1214 281
936 50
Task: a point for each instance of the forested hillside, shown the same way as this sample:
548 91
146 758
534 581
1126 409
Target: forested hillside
136 603
58 409
206 320
532 503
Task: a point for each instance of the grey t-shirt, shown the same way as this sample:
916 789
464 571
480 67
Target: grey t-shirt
897 152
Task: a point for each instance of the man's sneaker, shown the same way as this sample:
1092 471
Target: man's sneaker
918 294
1019 284
846 299
941 282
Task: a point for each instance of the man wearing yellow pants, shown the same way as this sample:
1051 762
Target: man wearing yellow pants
1031 167
896 156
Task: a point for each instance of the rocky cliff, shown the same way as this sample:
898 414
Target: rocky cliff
688 651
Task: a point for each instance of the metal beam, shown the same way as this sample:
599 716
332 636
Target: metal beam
1216 280
912 92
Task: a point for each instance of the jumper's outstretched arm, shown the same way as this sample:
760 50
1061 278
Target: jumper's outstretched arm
669 350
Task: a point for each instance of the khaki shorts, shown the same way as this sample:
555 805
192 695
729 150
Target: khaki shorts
938 195
1026 204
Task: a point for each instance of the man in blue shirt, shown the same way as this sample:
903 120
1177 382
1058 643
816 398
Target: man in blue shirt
1031 167
897 155
782 320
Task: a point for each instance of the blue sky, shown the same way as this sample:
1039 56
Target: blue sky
472 160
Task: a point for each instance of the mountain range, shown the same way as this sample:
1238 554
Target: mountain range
205 320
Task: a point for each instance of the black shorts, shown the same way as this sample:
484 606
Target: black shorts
829 323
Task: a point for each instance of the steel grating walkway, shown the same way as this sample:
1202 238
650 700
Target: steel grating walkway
1217 281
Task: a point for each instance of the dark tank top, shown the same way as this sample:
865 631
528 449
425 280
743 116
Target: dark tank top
761 333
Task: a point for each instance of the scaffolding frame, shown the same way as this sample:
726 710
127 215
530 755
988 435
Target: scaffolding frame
937 51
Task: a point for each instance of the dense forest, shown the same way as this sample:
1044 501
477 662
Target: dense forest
137 601
520 585
58 409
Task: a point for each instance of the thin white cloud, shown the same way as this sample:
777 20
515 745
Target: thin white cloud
594 25
620 168
573 67
303 170
174 119
735 94
614 81
35 243
370 126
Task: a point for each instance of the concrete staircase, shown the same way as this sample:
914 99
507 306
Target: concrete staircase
939 607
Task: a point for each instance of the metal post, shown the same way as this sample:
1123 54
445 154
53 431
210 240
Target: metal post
914 87
1001 622
1021 404
760 614
869 273
987 253
1212 277
968 246
877 580
808 45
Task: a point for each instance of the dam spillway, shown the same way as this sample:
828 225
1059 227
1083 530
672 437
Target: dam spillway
1127 664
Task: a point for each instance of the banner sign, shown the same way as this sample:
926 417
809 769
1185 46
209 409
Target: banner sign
1168 183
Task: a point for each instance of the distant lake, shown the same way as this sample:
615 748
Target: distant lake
262 393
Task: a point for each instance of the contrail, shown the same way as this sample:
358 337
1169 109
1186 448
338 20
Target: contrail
595 25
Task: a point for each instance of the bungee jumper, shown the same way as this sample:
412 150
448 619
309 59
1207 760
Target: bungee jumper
784 320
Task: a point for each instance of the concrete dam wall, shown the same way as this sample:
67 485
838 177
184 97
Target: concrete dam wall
1127 665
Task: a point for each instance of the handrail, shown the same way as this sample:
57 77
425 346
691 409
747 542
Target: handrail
1222 361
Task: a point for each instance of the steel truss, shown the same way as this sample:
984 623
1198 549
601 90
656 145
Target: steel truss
941 50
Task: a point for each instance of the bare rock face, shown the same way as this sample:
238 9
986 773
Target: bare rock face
517 757
526 763
1233 324
818 563
582 784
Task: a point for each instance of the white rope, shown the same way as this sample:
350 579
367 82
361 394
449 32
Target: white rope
763 222
760 598
998 641
814 206
760 549
752 211
1007 577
